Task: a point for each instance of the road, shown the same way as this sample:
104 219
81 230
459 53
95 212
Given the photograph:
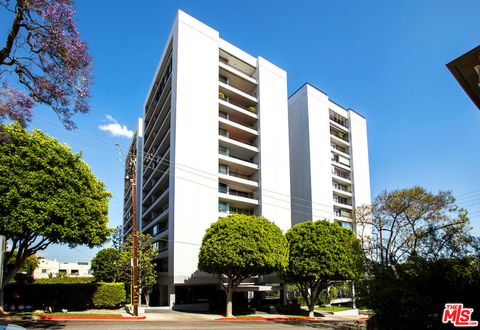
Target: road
182 325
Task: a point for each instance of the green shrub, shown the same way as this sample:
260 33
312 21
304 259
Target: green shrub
109 295
72 296
64 280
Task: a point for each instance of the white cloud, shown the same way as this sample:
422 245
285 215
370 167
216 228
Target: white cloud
115 128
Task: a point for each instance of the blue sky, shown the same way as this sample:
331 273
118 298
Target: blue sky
385 59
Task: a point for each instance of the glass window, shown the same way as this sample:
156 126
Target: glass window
223 169
223 132
223 188
222 207
223 151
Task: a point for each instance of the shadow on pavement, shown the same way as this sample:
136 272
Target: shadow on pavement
32 324
326 325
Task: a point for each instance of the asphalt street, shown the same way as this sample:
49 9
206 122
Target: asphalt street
185 325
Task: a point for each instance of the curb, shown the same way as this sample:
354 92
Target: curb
90 318
267 319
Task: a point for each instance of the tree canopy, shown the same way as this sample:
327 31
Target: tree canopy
105 265
47 195
147 274
321 253
415 222
240 246
43 51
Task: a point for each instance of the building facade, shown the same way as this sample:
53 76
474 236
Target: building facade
328 159
53 268
213 141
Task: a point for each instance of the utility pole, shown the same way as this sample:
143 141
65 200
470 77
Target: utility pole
133 180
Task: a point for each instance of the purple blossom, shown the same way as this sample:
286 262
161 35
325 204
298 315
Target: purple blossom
58 69
15 104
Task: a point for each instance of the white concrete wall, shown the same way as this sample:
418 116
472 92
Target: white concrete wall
360 163
300 182
53 267
310 157
194 150
274 144
320 154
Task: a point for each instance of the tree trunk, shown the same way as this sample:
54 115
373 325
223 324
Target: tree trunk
147 298
229 292
311 308
2 311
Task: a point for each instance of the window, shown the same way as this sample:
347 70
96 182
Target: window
223 188
155 230
44 271
74 272
223 79
223 132
223 114
222 207
223 169
223 151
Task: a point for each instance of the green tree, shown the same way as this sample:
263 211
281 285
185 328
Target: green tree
414 295
105 265
47 195
415 222
239 246
147 274
320 254
117 238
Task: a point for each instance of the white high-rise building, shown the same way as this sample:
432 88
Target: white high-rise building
213 141
328 159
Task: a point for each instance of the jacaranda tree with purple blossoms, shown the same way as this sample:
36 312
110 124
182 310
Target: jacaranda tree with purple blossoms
43 61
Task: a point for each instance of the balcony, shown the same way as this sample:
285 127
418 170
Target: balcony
161 125
242 149
225 209
339 136
236 64
341 161
238 179
237 127
343 214
233 78
339 150
340 120
341 175
242 198
231 92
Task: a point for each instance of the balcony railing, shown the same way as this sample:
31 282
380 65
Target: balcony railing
342 188
236 157
227 99
339 134
225 133
225 61
342 174
226 190
224 115
341 213
343 122
342 201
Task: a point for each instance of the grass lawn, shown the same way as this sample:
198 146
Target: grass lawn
332 309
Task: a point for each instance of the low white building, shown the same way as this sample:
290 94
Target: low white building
52 268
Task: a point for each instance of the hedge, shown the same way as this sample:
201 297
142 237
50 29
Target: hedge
64 280
109 295
73 296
